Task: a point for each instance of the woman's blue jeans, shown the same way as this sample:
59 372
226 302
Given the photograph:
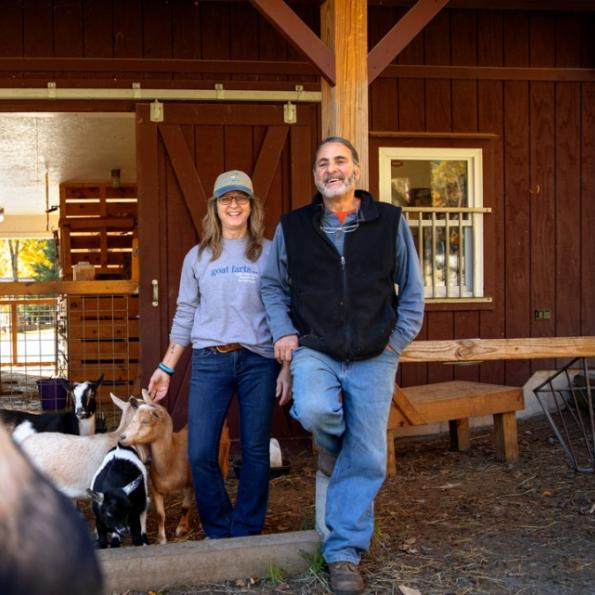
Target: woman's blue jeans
346 406
216 377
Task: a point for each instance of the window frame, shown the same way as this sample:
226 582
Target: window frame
474 158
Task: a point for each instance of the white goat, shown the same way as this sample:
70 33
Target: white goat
170 469
69 461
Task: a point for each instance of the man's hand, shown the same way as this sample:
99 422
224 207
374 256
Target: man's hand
283 390
284 348
158 385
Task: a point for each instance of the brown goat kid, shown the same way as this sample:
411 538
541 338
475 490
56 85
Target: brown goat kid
170 469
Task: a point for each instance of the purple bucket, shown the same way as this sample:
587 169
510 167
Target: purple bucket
51 393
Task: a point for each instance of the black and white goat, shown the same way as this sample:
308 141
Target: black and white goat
46 545
79 420
120 495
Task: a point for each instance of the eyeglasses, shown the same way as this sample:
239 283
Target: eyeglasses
227 199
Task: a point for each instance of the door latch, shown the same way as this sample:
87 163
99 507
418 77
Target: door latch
155 284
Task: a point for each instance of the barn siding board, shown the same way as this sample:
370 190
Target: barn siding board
463 37
157 32
11 29
128 30
210 154
186 35
384 105
568 41
588 41
244 32
300 167
542 209
517 219
542 33
588 210
214 29
412 104
98 33
568 208
438 96
437 39
271 46
491 119
516 38
489 38
68 28
438 104
149 226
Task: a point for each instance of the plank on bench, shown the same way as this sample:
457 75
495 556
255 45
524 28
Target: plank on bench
455 402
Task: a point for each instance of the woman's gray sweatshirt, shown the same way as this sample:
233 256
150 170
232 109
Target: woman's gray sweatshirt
219 301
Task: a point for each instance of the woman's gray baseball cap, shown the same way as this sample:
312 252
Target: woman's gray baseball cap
234 179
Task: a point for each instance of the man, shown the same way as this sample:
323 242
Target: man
329 294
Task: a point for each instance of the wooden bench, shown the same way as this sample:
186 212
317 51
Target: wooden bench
457 401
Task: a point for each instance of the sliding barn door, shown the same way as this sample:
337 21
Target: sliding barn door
178 161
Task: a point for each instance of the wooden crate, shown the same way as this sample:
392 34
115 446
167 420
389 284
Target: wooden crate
102 338
98 225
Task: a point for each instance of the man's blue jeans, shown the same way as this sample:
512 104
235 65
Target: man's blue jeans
215 378
346 406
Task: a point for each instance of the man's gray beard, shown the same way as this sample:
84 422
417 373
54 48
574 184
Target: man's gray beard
347 185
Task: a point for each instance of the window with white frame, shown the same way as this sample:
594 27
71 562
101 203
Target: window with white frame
440 192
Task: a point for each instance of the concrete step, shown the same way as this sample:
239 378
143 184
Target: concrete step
156 567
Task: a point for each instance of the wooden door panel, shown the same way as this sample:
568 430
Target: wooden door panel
178 161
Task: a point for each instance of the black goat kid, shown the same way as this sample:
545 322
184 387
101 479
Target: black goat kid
120 497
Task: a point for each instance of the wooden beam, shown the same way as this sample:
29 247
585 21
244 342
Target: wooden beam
495 349
344 111
517 5
136 65
489 73
393 43
69 287
299 35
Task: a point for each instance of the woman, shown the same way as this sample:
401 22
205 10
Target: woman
220 312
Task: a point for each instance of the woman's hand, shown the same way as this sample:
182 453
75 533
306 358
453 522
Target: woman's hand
283 391
159 384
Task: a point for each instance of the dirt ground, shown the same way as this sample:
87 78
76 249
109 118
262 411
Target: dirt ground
451 523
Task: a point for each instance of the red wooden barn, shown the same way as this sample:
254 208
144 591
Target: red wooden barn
477 116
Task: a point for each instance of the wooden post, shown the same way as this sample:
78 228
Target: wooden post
343 26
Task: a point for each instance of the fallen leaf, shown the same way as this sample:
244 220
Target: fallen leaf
547 493
408 590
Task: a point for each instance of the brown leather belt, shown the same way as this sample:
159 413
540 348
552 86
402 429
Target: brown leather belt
226 348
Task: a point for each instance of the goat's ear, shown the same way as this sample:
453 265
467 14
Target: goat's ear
98 382
96 496
118 402
128 489
66 385
146 395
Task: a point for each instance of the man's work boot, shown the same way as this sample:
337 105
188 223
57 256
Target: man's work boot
345 578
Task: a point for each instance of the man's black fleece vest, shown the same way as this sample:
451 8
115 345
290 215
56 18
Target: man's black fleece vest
344 307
